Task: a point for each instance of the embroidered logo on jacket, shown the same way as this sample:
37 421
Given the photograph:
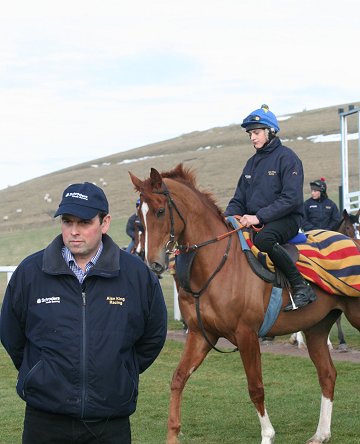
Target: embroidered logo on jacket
271 173
52 300
115 300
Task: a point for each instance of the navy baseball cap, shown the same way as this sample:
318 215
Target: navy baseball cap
83 200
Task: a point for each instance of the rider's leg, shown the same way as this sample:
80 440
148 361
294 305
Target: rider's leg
269 240
302 293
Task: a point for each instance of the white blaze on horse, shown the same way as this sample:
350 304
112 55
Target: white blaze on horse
221 296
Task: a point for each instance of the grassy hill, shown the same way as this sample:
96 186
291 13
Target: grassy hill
218 155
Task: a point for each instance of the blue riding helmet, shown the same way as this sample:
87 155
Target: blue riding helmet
261 118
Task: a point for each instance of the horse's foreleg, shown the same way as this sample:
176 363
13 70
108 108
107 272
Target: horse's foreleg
248 345
195 350
319 353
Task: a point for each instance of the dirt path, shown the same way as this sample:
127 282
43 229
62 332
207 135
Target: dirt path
277 347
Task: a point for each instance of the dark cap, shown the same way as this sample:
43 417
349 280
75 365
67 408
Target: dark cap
319 185
83 200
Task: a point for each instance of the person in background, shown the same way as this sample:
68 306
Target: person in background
133 220
270 193
320 211
80 320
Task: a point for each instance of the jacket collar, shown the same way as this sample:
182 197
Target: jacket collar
270 147
108 264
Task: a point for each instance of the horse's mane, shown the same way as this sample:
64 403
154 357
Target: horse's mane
187 177
339 224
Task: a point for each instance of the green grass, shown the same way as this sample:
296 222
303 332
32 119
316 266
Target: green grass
16 245
216 405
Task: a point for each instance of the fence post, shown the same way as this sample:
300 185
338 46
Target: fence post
177 314
9 270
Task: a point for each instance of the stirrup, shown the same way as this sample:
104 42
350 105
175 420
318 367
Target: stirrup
291 306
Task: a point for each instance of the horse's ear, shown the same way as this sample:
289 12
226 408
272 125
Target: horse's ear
356 217
156 179
138 184
345 214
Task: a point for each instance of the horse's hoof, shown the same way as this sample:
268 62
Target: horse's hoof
172 441
314 440
266 340
343 348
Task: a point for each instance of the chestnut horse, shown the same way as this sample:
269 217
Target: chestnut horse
225 298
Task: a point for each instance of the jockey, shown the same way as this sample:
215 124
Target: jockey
320 211
270 193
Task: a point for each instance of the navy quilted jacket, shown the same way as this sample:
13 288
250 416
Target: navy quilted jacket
270 186
79 349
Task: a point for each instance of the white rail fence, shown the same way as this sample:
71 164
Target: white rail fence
9 270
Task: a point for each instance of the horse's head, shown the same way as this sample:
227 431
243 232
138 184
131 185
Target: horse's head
347 224
161 219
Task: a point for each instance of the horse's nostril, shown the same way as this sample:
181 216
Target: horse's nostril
156 267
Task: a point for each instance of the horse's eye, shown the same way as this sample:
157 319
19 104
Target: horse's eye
160 212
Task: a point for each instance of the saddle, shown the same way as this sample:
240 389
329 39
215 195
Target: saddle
327 258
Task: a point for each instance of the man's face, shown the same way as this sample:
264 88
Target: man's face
258 137
83 236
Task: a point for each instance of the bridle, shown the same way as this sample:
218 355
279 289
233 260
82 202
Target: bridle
178 249
171 204
183 249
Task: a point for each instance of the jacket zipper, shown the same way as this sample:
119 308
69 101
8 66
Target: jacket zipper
83 364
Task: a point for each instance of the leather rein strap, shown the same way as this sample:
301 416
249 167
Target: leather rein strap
183 249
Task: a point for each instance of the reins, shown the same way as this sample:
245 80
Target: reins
180 249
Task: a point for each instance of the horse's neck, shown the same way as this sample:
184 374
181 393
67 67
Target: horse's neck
201 227
202 221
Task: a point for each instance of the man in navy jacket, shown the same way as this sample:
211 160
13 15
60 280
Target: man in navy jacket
270 193
80 320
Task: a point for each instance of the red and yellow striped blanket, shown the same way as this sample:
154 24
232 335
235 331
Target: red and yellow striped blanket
328 259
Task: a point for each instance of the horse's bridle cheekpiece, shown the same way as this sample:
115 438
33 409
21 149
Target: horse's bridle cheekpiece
179 250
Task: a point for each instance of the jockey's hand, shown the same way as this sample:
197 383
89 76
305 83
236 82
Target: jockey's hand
248 220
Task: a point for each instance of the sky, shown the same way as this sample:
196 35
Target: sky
81 79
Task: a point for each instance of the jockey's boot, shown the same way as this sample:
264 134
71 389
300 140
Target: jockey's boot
302 293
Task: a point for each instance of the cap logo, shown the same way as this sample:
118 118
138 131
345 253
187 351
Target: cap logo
77 196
